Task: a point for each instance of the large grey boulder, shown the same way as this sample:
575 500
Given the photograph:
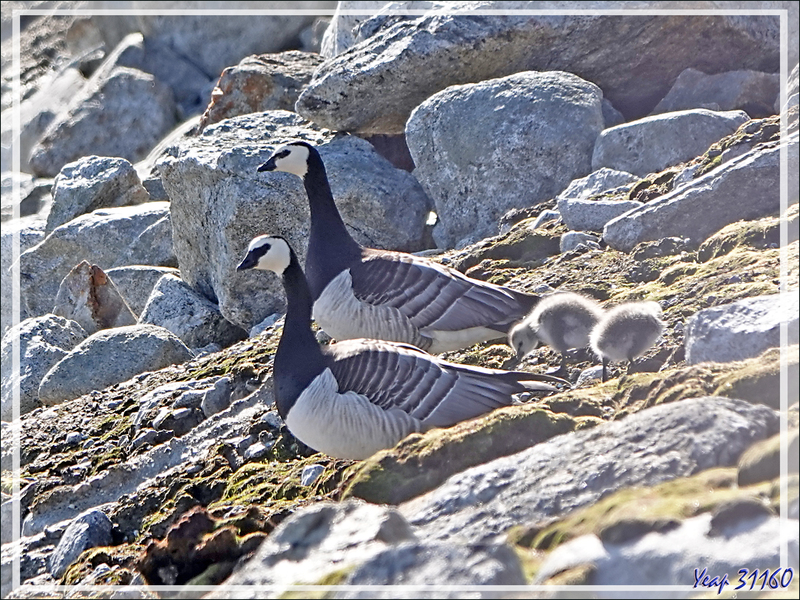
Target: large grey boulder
343 30
88 297
741 329
93 182
28 232
654 143
111 356
207 41
189 83
482 149
259 83
122 115
751 91
136 282
55 90
374 544
194 319
745 188
373 87
219 203
578 469
43 341
89 530
106 237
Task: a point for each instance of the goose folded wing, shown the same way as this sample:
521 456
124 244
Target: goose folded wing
396 376
432 296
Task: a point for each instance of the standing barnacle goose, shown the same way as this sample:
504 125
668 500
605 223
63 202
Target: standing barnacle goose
626 332
366 293
562 320
351 399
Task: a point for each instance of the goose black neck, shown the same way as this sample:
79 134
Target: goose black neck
330 248
324 215
298 359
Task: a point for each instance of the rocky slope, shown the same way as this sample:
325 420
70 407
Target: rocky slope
522 149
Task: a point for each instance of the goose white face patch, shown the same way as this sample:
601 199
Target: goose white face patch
292 159
273 253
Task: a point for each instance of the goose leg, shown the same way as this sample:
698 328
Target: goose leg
605 369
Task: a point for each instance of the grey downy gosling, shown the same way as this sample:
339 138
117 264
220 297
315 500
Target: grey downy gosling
562 320
367 293
626 332
356 397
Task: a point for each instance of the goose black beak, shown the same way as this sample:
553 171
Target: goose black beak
248 262
267 166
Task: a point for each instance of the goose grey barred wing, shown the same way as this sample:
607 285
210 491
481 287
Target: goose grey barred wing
440 394
434 297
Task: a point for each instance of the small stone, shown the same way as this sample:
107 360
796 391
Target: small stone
256 451
323 338
310 474
730 514
571 240
546 216
272 419
146 436
90 529
217 398
161 417
88 444
74 437
589 375
543 288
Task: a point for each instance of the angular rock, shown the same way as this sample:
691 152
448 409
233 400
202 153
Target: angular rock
482 149
217 398
259 83
136 282
89 530
106 237
577 469
654 143
753 92
124 115
742 329
315 542
88 297
592 215
219 203
29 233
208 40
93 182
194 319
43 341
373 87
596 183
745 188
111 356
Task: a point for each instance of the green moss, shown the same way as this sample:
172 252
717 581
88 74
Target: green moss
336 577
758 234
423 461
674 500
759 380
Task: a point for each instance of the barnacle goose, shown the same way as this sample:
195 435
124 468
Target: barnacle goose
356 397
626 332
367 293
562 320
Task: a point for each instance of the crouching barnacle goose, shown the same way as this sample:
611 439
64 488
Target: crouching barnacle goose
367 293
562 320
356 397
626 332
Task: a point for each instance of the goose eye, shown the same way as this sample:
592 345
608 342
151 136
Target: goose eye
283 153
